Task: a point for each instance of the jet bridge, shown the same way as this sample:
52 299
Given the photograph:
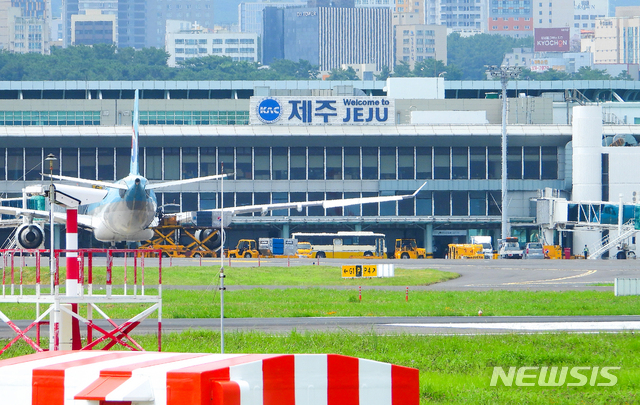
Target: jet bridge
620 221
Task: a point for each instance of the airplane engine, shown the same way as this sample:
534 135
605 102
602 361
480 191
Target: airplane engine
29 236
213 242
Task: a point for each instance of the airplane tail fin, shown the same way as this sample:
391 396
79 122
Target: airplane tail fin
134 169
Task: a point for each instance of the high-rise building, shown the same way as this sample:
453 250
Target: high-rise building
24 26
374 3
331 3
250 15
617 39
72 8
331 37
69 8
93 28
585 13
415 7
133 25
553 14
513 18
417 42
32 8
141 23
195 42
431 11
5 7
159 11
464 16
272 35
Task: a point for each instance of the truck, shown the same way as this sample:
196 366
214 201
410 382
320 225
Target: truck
304 250
408 249
510 249
485 241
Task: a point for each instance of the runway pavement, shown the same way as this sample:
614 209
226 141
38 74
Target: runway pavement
390 325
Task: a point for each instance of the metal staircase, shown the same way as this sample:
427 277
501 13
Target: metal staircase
628 230
11 242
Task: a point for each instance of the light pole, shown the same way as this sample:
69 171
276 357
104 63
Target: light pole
52 198
504 73
438 76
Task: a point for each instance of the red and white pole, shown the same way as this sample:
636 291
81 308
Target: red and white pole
72 256
73 273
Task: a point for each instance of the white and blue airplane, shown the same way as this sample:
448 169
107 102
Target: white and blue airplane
126 210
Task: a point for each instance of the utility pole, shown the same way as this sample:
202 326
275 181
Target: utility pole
504 73
52 195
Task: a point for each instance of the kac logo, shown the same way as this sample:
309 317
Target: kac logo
269 110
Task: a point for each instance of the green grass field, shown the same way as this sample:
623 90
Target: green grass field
290 276
453 369
300 302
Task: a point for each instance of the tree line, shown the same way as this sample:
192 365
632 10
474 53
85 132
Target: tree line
467 58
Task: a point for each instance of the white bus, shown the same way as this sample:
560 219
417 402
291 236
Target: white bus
344 245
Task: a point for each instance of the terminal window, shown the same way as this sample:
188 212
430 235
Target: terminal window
25 118
294 163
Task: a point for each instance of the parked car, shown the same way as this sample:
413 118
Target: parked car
510 249
533 250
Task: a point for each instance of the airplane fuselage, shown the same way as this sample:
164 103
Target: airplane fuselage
124 215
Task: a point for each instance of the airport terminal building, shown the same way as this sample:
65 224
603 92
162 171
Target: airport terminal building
298 141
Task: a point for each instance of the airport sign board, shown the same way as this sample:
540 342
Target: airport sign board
357 271
345 110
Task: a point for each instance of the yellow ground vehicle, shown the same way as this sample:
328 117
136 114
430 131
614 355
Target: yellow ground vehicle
408 249
245 248
304 249
552 251
465 251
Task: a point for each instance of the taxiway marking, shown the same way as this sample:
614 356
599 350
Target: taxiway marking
532 326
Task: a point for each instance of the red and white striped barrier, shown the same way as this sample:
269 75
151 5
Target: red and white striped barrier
99 377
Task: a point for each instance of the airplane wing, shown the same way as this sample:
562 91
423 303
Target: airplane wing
59 217
90 182
186 181
120 186
86 195
325 203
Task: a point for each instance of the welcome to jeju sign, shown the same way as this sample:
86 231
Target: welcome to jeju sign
347 110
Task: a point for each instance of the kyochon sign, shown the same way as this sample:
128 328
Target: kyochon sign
322 111
551 40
